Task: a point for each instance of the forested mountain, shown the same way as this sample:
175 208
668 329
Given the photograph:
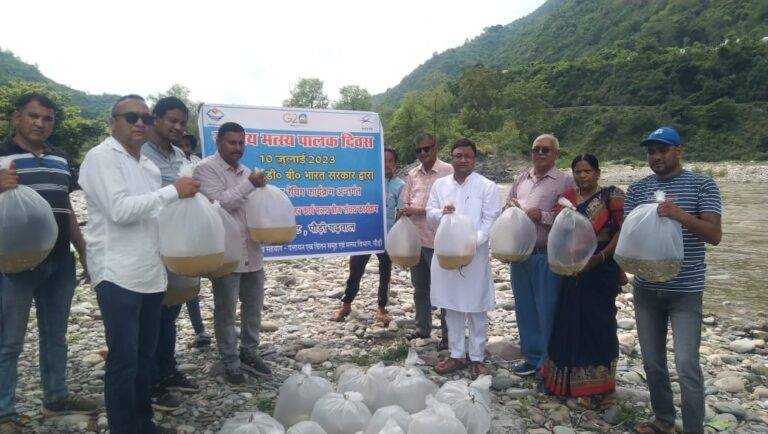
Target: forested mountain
12 69
600 73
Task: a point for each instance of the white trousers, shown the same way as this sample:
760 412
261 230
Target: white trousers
478 328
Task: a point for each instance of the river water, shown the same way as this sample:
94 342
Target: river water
737 274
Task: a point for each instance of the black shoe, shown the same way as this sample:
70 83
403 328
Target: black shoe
524 369
162 400
417 335
255 365
71 404
443 345
202 340
164 430
234 377
179 382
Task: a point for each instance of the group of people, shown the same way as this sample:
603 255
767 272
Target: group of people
567 325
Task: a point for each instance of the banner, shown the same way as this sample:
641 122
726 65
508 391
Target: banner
330 164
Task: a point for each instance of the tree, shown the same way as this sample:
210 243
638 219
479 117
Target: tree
72 132
308 93
353 98
181 92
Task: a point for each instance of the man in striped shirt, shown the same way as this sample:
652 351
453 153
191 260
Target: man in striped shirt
51 284
694 201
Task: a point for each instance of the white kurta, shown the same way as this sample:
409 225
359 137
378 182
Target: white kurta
469 289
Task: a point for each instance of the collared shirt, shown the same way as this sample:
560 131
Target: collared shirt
542 193
124 199
231 187
416 193
169 165
469 289
394 187
695 194
50 176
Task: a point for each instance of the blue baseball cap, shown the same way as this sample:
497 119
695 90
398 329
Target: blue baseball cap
665 135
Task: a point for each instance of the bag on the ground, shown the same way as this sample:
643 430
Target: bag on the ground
191 234
437 418
341 413
470 403
513 236
650 246
403 244
455 241
371 384
270 216
384 415
28 230
251 423
391 427
411 387
306 427
571 241
233 244
298 395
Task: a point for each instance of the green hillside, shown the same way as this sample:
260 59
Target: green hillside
599 73
12 69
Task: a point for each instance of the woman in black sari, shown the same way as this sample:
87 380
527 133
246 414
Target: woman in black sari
583 349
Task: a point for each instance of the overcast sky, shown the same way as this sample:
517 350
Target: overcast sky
248 52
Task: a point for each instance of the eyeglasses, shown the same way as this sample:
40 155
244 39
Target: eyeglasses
540 150
424 149
133 117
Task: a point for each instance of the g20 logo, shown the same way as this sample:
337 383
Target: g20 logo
295 118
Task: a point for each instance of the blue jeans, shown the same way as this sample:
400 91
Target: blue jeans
165 355
654 311
536 290
131 322
51 285
193 310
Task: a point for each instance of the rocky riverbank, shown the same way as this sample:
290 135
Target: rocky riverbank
301 295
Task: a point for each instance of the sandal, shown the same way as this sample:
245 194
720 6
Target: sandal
382 317
450 365
655 427
477 369
342 313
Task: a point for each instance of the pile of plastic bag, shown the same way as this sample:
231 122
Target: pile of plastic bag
383 400
251 423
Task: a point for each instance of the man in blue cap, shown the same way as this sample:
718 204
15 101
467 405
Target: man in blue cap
693 200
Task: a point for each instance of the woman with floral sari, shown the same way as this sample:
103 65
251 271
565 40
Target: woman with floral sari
583 349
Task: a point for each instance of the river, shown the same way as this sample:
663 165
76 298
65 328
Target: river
737 274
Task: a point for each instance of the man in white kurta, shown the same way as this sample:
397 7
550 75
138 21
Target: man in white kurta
466 293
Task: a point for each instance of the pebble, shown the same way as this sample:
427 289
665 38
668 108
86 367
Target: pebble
312 355
732 408
626 323
742 346
269 326
92 359
730 384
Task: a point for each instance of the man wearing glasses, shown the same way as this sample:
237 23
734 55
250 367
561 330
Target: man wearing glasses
123 195
535 286
414 196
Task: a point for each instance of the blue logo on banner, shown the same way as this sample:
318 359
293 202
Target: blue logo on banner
215 114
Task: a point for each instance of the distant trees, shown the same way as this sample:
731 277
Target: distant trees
307 93
181 92
353 98
72 132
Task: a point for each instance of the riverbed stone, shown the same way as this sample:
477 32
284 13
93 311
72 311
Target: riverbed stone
742 346
730 384
626 323
312 355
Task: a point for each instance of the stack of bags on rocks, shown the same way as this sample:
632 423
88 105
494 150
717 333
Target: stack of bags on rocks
379 400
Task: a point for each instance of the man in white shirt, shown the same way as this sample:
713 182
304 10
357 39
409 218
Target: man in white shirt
465 293
124 198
